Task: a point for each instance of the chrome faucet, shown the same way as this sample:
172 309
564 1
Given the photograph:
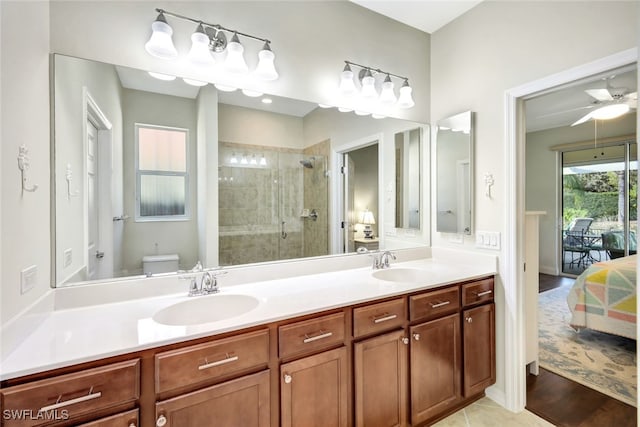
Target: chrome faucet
208 281
383 260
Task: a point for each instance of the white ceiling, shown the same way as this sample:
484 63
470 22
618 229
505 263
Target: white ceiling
425 15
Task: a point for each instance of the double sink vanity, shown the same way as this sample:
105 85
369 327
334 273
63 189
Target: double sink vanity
404 345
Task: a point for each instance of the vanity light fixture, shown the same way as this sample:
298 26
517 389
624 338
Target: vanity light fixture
233 159
369 91
263 161
253 160
244 160
160 76
208 39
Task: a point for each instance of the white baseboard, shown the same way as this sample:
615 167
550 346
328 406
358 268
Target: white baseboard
497 395
552 270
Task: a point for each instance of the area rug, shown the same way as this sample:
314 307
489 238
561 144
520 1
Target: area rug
606 363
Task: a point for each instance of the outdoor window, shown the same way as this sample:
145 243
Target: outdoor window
161 173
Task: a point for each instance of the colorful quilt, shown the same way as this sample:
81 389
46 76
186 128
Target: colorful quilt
603 297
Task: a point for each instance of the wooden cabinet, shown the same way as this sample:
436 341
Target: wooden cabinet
314 390
311 335
479 342
435 356
125 419
241 402
380 377
379 317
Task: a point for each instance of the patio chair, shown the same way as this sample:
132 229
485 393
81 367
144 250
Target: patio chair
613 243
574 242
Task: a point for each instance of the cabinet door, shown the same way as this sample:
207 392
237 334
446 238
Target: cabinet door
479 343
314 390
381 380
241 402
435 359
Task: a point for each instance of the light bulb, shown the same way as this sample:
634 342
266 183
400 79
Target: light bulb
347 86
610 111
233 159
160 43
369 86
193 82
200 54
266 70
225 88
263 161
253 160
405 100
252 93
244 160
387 96
235 62
160 76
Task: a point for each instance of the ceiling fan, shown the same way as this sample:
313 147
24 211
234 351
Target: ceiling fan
610 102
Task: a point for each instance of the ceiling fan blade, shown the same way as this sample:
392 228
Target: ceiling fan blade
583 118
600 94
557 113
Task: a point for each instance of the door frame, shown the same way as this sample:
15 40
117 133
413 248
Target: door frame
92 112
337 189
514 166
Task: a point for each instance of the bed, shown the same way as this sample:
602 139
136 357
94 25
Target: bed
603 297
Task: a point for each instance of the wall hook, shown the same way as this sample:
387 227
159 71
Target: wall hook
23 165
69 178
488 183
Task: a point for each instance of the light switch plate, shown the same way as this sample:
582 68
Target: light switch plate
28 279
488 240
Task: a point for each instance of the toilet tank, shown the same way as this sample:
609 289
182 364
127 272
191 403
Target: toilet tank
153 264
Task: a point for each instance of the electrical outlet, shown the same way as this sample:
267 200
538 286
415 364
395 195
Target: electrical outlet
67 258
28 279
488 240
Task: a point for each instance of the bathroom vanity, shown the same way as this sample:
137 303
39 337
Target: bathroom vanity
360 350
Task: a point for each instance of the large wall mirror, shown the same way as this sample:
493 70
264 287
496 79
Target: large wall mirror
454 174
153 174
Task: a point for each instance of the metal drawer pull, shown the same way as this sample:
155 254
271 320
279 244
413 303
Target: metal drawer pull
308 339
385 317
481 294
439 304
218 363
81 399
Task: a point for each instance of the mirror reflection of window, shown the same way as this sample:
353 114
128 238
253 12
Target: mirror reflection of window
161 172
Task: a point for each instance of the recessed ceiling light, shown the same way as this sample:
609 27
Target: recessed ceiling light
160 76
195 82
267 100
252 93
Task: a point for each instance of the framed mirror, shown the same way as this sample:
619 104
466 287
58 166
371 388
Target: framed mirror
454 174
151 175
408 161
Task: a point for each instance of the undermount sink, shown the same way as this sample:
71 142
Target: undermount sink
205 309
400 275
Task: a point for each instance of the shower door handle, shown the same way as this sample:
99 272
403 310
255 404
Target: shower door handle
283 233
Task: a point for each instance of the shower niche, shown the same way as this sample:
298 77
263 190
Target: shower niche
272 202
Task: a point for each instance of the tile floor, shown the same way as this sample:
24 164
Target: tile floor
486 413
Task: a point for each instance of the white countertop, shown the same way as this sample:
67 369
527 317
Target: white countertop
69 336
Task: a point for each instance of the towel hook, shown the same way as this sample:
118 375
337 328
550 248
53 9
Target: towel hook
23 165
69 178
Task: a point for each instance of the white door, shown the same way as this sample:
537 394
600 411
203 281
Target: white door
93 242
349 212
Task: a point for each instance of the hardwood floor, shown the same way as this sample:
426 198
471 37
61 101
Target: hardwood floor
566 403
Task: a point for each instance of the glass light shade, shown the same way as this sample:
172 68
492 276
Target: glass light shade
347 86
324 106
345 109
266 70
263 161
225 88
406 100
200 54
253 160
160 44
367 218
378 116
252 93
362 113
369 86
244 161
160 76
387 96
193 82
610 111
233 160
235 62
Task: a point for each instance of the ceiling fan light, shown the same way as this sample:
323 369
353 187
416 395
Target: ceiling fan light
200 54
610 111
160 43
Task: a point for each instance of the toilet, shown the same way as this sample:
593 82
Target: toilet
154 264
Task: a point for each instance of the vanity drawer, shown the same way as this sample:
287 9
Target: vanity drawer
310 335
434 303
378 317
124 419
73 395
203 363
477 292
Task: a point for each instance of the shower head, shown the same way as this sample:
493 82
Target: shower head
308 163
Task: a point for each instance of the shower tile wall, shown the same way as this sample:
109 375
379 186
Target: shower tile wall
316 196
254 199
